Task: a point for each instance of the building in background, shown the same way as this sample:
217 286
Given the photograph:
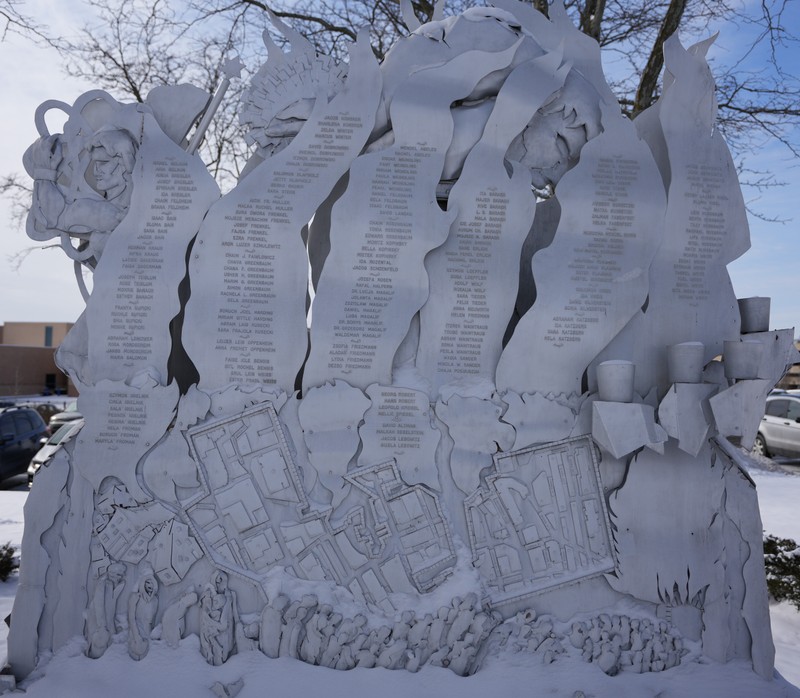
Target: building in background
27 359
791 380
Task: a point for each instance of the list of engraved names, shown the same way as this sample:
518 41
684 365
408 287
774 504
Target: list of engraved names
595 262
249 315
377 263
705 199
129 341
468 269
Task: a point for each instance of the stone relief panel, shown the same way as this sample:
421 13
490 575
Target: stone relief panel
539 419
170 464
244 463
128 532
252 513
473 446
540 521
83 178
283 92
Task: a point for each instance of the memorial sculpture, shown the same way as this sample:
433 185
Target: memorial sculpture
507 391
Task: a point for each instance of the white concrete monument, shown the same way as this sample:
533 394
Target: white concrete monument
497 430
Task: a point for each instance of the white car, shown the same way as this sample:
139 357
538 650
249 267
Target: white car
779 431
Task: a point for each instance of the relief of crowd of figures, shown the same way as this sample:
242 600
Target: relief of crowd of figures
445 459
457 636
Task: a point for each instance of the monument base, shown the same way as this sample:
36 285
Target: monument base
183 672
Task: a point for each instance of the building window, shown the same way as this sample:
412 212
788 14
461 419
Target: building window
48 335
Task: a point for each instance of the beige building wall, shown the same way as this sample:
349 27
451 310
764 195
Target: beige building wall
35 334
27 358
791 381
30 371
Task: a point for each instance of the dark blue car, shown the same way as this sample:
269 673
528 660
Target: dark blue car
21 429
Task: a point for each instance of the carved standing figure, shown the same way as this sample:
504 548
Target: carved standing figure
272 625
217 620
101 618
142 607
312 645
173 622
295 618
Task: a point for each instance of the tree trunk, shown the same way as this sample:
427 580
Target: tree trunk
645 95
592 18
543 7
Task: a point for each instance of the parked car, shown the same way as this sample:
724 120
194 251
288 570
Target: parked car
46 410
779 431
21 428
51 446
70 414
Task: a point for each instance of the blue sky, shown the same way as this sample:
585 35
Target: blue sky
43 287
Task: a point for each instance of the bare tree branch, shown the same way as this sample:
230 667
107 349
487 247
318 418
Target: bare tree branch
134 45
14 21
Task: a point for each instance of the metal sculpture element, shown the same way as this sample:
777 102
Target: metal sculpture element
497 294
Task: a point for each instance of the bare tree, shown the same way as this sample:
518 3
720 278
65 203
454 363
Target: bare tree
135 45
13 20
755 103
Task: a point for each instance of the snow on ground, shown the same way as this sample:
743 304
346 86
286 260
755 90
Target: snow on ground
778 497
183 672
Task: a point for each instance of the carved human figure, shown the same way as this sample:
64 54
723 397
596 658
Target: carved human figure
64 207
416 656
402 626
101 617
340 653
463 619
142 608
272 626
419 630
482 626
439 657
462 654
552 140
393 655
367 657
217 620
329 633
295 617
436 634
281 98
311 647
350 652
625 631
113 154
213 627
173 622
577 635
340 638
